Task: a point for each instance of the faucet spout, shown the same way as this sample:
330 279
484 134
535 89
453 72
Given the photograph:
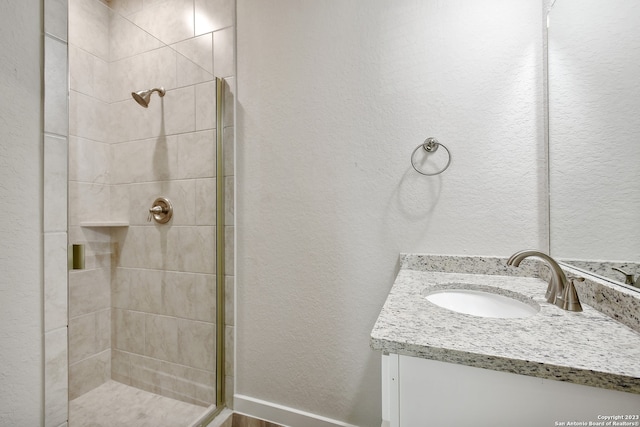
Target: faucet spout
558 286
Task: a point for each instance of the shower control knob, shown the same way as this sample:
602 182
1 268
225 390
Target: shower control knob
161 210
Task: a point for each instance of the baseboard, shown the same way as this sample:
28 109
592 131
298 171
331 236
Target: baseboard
279 414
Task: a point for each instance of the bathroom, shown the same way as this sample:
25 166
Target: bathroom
332 97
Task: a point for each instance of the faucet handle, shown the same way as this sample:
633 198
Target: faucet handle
570 299
628 278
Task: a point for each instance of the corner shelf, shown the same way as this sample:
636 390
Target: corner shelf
95 224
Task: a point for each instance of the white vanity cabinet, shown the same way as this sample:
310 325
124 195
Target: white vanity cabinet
422 393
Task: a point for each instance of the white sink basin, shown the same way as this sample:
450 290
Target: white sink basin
482 303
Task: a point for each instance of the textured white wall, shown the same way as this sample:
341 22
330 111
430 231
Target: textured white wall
21 383
594 129
332 99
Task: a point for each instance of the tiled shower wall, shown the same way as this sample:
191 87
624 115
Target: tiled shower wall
143 310
89 196
55 213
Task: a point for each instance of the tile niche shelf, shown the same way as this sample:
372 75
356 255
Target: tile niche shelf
95 224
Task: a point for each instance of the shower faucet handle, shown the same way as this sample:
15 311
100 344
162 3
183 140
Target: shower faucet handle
154 210
161 211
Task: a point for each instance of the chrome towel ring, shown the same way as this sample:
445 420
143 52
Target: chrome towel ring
430 145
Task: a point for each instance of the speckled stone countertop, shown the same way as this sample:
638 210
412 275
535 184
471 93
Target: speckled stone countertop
588 347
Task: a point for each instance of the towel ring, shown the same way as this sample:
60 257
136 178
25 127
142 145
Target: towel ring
430 145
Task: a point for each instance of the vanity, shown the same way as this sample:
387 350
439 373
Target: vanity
548 367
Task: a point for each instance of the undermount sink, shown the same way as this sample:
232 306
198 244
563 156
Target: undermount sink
485 302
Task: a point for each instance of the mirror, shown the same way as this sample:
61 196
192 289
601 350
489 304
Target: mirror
594 136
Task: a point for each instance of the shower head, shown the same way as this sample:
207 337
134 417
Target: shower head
142 97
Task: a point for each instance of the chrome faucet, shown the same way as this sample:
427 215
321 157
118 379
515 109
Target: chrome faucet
561 292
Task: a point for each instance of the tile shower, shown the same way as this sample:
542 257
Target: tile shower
142 311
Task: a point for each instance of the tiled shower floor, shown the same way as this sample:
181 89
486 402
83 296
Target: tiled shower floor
114 404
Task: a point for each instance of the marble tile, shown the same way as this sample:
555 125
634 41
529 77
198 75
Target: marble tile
195 251
128 333
98 237
89 335
189 296
55 281
197 155
171 379
101 79
198 50
56 386
81 70
119 203
170 22
55 87
82 337
86 117
196 344
229 337
55 184
179 111
116 404
205 393
89 374
89 27
145 372
126 7
97 254
204 379
88 202
213 15
191 73
154 3
229 299
149 247
154 159
229 201
229 151
205 95
127 39
120 365
147 70
88 161
161 337
223 53
89 291
129 121
181 193
229 388
172 114
103 330
56 18
205 201
229 249
141 197
229 101
145 291
120 283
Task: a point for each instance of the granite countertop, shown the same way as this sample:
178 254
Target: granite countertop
587 347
